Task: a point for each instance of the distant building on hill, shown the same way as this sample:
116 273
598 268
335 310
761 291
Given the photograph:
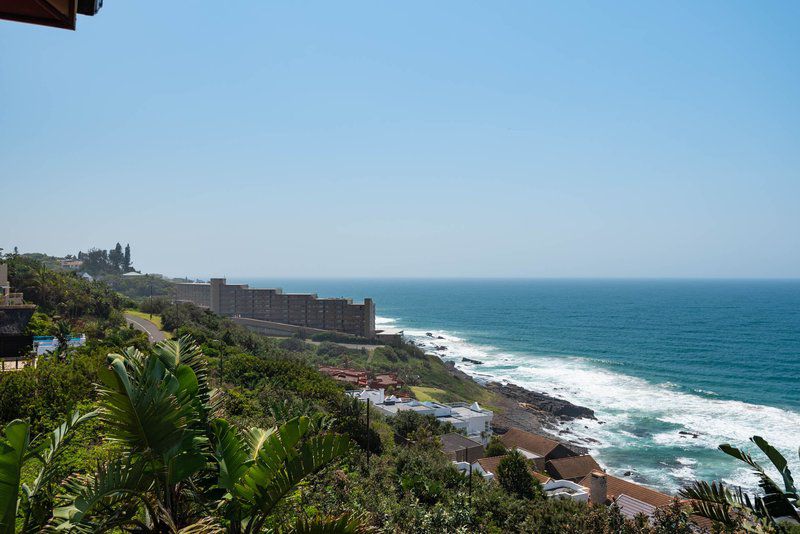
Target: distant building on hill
72 264
275 306
351 376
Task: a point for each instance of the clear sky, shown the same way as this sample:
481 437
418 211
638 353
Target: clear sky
409 138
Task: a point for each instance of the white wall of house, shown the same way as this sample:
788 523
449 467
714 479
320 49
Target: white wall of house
564 489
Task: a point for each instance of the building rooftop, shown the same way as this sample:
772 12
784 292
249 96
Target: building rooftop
456 442
572 467
616 486
538 445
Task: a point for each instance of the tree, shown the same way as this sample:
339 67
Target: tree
496 447
672 519
63 335
126 261
116 257
515 476
734 508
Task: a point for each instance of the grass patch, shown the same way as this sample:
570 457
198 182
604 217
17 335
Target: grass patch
424 393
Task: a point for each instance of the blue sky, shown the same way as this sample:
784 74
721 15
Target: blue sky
409 139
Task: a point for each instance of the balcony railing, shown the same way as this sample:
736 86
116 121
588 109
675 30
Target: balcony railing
11 299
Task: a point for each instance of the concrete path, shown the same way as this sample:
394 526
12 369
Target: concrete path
153 333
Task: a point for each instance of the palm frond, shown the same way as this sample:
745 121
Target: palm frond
107 499
717 502
146 406
775 502
207 525
344 524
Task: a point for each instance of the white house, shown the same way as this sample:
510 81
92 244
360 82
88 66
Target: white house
463 467
476 422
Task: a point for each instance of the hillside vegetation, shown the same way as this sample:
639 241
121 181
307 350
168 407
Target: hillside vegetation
224 430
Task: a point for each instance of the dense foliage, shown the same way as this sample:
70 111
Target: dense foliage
63 293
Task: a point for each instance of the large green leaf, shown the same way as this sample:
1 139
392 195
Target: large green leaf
146 406
184 351
778 461
272 477
231 454
775 502
13 447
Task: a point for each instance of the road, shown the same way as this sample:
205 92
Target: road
147 327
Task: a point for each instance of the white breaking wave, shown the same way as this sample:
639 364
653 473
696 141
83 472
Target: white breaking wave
632 414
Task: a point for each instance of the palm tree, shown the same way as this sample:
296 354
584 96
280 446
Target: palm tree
33 503
736 509
63 334
181 461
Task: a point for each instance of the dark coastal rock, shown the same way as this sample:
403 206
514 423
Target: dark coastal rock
440 347
469 360
627 474
428 334
560 408
686 433
439 337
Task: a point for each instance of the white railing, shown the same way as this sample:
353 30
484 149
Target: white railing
11 299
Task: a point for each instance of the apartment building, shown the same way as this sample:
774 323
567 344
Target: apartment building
307 310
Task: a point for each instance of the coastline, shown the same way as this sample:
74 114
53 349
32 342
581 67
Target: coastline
529 410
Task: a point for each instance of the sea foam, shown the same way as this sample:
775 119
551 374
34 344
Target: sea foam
665 436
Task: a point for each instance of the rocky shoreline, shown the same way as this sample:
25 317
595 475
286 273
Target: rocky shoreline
528 410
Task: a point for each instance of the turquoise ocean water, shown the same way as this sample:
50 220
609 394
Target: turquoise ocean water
717 359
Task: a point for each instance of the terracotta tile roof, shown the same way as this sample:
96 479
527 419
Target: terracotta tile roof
573 467
617 486
539 445
490 466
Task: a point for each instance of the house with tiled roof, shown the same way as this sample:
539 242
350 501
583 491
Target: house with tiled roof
573 468
631 498
535 446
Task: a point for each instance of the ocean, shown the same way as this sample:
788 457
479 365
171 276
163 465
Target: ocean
672 368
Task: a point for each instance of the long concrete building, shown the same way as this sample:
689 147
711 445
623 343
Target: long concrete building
273 305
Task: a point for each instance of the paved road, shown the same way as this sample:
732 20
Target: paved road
147 327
